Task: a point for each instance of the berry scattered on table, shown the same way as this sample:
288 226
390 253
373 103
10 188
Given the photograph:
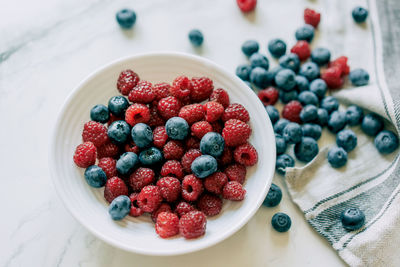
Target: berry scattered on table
359 77
312 17
196 38
321 56
280 144
359 14
273 113
281 222
312 130
259 60
354 115
346 139
372 124
302 50
282 162
337 157
386 142
306 149
290 61
126 18
286 79
302 84
305 33
291 111
277 47
310 70
292 133
250 47
273 197
352 219
246 5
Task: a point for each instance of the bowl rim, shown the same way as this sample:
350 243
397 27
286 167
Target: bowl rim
100 235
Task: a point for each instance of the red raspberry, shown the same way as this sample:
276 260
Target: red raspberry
268 96
109 166
113 118
161 90
192 142
202 88
291 111
213 110
246 154
115 187
341 63
311 17
164 207
226 157
302 49
215 182
173 150
142 93
192 187
332 77
192 113
236 111
217 126
137 113
167 224
183 207
131 147
126 81
155 118
135 210
211 205
160 136
95 132
236 132
108 150
149 199
233 191
188 158
192 224
85 155
170 188
246 5
181 88
221 96
172 168
200 128
169 107
140 178
236 172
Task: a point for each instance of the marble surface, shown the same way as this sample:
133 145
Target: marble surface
47 47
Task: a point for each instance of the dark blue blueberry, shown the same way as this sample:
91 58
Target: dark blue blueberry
196 37
309 113
292 133
249 85
272 73
329 103
126 18
305 33
119 207
310 70
319 88
177 128
259 60
323 117
306 150
302 83
290 61
359 77
273 197
280 125
243 72
277 47
359 14
212 144
259 77
118 132
286 80
352 219
250 47
337 121
308 98
354 115
127 163
282 162
150 156
117 105
142 135
321 56
100 114
312 130
280 144
372 124
286 97
386 142
95 176
204 166
337 157
281 222
273 113
347 139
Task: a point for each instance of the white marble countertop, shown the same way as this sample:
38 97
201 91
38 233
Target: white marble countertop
47 47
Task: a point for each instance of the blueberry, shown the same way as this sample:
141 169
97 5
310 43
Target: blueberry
126 18
337 157
359 14
308 98
280 125
286 80
117 105
280 144
290 61
347 139
127 163
259 77
277 47
329 103
142 135
100 114
337 121
305 33
372 124
259 60
281 222
119 207
250 47
177 128
319 88
249 85
306 150
150 156
302 83
196 38
212 144
312 130
354 115
204 166
282 162
386 142
352 219
310 70
286 97
323 117
95 176
273 72
359 77
273 197
321 56
243 72
273 113
292 133
309 113
118 132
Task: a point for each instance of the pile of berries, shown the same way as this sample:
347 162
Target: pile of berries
170 150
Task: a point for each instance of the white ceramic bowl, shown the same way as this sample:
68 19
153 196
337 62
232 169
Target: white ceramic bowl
87 204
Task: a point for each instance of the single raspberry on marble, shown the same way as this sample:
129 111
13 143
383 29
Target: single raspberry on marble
108 165
85 155
161 90
172 168
173 150
233 191
268 96
149 199
181 88
311 17
155 118
213 111
183 207
245 154
192 113
137 113
221 96
114 187
170 188
246 5
192 187
215 182
302 50
167 224
131 147
142 93
202 88
95 132
226 157
236 111
192 142
236 172
211 205
200 128
169 107
160 136
192 224
108 150
126 81
141 177
236 132
136 211
164 207
291 111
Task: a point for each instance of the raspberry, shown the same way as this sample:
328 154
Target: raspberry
108 150
181 88
140 178
192 187
268 96
217 126
246 5
85 155
161 90
192 113
213 110
167 224
126 81
164 207
114 187
236 111
209 204
108 165
215 182
332 77
311 17
341 63
188 158
173 150
221 96
149 198
170 188
169 107
233 191
236 132
201 88
112 119
160 136
155 118
291 111
192 142
200 128
95 132
135 210
302 50
131 147
226 157
246 154
183 207
137 113
236 172
142 93
172 168
192 224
